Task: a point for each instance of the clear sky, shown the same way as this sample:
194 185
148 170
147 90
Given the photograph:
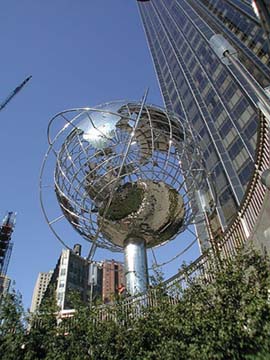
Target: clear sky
80 53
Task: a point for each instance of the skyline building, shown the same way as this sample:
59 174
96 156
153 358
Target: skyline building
93 281
262 10
113 277
41 285
6 244
212 97
70 275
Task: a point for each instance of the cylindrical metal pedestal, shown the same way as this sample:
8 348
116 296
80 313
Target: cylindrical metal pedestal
136 266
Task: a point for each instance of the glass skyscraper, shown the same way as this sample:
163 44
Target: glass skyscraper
262 10
213 98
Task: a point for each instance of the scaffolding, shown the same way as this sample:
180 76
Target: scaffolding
6 230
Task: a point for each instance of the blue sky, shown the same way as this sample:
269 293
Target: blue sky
80 53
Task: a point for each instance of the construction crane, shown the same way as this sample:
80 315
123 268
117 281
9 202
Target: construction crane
14 92
6 230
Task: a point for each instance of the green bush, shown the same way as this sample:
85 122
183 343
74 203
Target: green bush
225 318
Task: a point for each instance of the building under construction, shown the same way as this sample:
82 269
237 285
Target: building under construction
8 222
6 245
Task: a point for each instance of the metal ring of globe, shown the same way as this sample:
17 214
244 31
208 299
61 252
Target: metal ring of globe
126 175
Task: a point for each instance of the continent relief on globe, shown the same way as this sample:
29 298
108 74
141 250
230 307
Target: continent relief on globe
147 210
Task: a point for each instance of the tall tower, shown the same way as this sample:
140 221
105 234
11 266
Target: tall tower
262 10
213 98
39 289
6 230
71 274
6 245
112 278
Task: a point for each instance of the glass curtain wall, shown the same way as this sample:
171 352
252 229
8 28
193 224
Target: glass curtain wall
197 86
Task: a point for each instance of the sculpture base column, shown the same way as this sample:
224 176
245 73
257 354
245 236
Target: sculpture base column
136 266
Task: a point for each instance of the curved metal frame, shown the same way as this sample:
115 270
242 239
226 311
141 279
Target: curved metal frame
172 160
230 242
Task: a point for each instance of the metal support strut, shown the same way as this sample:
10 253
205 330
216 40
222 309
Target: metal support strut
136 266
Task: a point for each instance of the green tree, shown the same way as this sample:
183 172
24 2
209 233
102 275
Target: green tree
222 316
42 331
225 318
11 326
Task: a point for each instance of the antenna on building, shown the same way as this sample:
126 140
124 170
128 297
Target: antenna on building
77 249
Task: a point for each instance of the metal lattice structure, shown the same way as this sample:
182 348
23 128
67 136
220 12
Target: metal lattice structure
6 245
125 170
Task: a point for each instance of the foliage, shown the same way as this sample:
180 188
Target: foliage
11 326
225 318
42 332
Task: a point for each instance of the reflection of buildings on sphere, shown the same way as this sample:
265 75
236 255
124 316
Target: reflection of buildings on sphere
151 210
126 177
147 182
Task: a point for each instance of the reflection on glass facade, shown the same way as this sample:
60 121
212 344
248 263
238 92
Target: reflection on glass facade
196 85
262 11
237 20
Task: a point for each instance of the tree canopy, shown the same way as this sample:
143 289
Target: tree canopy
225 318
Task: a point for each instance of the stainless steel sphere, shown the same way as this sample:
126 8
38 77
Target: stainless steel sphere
146 209
125 171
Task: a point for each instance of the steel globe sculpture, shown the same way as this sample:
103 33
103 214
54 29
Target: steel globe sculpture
125 176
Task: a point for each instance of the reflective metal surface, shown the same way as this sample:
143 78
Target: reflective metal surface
99 127
135 266
153 210
125 170
220 46
122 167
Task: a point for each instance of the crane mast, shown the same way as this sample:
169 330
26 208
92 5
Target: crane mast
14 93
